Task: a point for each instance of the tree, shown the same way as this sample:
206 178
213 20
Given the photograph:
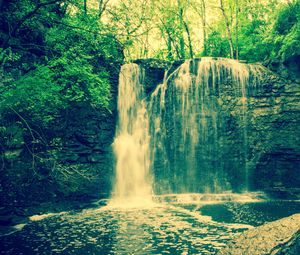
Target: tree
59 58
286 32
228 28
180 30
13 28
237 29
102 7
201 9
85 6
128 21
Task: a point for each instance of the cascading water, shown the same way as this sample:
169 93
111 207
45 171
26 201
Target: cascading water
192 127
188 134
131 145
198 120
198 124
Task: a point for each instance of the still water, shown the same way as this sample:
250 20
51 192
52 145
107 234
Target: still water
174 227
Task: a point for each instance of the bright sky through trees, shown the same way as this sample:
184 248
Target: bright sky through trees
187 28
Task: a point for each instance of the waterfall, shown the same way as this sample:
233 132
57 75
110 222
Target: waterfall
191 131
131 144
192 127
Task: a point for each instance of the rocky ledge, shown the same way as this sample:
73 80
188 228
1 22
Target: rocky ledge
274 238
13 219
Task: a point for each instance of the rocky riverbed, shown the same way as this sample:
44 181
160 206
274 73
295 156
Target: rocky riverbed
278 237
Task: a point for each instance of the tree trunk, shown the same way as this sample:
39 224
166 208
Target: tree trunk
236 29
189 39
102 7
203 18
146 46
181 28
169 46
85 6
227 28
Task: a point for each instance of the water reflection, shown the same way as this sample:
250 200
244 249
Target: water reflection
108 230
159 229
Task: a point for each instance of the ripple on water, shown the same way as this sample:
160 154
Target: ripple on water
108 230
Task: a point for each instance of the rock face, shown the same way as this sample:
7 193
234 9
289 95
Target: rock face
155 70
274 140
81 162
265 140
240 132
278 237
291 247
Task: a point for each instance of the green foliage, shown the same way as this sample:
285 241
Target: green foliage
286 32
48 89
286 19
290 44
252 45
55 60
74 70
77 81
60 56
265 31
34 93
216 45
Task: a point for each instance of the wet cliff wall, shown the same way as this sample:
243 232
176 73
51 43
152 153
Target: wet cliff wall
274 136
263 140
70 159
252 144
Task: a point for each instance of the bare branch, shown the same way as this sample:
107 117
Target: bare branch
227 27
102 7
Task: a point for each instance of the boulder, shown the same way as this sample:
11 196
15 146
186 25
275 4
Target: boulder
270 238
291 247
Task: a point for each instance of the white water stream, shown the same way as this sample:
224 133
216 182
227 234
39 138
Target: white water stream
131 145
189 117
178 136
